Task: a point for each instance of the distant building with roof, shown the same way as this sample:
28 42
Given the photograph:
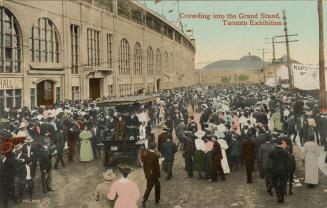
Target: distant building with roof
246 70
249 69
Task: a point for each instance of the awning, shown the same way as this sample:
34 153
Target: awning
106 71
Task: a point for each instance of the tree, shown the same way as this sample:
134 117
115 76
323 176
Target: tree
225 79
243 77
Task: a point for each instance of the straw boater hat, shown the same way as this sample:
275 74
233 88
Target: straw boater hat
17 147
23 125
108 175
28 140
199 134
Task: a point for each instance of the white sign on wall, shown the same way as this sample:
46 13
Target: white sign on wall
306 77
10 83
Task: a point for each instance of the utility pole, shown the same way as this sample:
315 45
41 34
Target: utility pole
322 91
273 48
264 51
274 56
287 41
290 73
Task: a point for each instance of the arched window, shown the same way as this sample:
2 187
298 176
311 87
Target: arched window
45 41
166 64
150 60
158 61
124 58
137 59
10 43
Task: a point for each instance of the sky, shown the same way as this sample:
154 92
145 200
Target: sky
214 41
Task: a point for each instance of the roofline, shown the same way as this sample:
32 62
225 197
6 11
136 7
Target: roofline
162 19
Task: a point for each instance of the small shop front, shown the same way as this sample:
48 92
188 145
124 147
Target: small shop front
10 92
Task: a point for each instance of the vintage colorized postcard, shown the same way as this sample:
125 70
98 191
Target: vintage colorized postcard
163 103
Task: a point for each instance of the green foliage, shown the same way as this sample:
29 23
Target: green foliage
243 77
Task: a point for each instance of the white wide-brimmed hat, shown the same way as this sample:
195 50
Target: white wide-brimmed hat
108 175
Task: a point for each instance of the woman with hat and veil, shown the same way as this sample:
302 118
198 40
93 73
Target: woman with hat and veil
124 191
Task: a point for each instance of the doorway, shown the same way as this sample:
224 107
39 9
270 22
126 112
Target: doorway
94 85
158 84
45 92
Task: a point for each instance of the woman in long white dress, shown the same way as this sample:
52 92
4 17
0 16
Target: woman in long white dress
224 147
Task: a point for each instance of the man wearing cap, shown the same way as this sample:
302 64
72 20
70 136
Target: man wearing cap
265 163
132 126
188 152
59 141
29 152
168 150
279 158
248 155
151 169
162 138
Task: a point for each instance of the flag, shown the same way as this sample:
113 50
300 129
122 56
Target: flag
170 11
189 30
156 1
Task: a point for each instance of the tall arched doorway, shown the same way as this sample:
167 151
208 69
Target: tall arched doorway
45 92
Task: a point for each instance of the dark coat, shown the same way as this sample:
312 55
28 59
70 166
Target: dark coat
151 166
291 164
59 141
162 138
45 157
235 148
264 152
120 129
71 138
168 150
248 150
7 176
280 161
217 155
132 122
189 146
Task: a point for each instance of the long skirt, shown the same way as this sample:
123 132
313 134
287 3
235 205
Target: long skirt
198 160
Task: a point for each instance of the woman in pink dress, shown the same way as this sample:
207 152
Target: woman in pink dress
124 191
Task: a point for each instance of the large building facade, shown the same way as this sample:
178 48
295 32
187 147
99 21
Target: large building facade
78 49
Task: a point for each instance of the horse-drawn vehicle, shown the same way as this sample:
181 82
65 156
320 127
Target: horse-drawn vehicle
127 145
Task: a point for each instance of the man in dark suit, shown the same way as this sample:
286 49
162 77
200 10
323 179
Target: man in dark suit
168 150
265 163
132 126
59 141
280 169
248 155
20 178
7 178
152 174
45 157
162 138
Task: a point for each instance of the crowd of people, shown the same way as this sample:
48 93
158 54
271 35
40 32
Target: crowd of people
253 126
